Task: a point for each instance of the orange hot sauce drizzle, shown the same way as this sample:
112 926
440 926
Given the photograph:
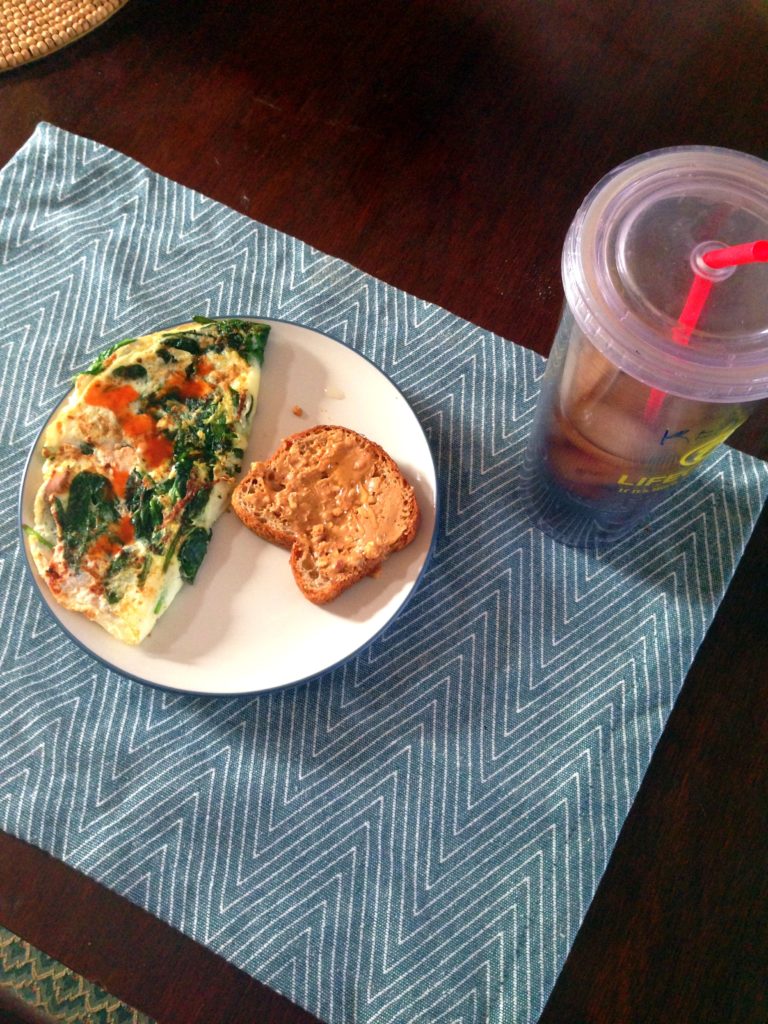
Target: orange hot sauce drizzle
124 530
194 388
119 481
113 540
104 545
139 427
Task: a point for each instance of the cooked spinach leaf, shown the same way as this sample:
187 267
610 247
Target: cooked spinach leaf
98 364
184 342
32 532
192 552
144 506
134 371
195 506
182 470
248 339
255 343
204 436
144 573
90 510
115 580
171 549
245 337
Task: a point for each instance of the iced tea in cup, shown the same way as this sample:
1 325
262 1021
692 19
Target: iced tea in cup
659 355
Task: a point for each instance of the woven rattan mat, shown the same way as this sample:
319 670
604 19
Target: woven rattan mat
30 29
33 979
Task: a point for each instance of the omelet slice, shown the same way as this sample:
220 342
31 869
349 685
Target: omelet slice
139 462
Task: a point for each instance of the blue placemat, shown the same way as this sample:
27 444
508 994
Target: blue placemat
416 836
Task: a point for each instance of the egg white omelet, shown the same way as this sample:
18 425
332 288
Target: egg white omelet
139 462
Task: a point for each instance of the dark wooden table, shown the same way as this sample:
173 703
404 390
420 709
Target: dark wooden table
444 147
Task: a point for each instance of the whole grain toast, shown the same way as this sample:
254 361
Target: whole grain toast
336 499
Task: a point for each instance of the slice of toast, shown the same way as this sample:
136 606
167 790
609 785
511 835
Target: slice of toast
337 500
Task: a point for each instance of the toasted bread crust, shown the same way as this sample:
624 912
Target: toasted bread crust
336 500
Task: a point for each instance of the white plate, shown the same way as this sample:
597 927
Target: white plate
244 626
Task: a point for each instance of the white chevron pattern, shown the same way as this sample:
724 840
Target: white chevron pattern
416 836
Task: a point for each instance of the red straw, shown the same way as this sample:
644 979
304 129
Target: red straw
732 256
736 255
694 304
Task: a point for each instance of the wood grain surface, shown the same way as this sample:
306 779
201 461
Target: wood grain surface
445 147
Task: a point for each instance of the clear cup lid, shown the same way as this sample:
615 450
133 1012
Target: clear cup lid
628 266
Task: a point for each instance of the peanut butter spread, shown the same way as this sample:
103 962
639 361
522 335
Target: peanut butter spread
336 499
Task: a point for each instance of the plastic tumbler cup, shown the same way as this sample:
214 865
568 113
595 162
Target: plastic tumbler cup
658 356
